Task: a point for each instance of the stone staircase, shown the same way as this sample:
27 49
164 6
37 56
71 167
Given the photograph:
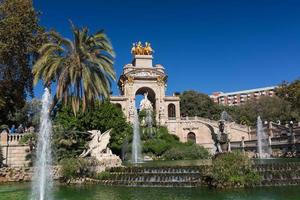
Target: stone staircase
278 174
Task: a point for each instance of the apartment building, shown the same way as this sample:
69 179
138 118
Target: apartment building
240 97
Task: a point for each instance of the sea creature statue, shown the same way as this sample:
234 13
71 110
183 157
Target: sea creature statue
97 147
145 103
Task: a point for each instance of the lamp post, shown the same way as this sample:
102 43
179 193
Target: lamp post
292 135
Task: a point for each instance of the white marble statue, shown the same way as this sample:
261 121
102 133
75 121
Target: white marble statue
145 103
97 147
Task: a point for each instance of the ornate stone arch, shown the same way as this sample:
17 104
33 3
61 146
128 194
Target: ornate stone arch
151 94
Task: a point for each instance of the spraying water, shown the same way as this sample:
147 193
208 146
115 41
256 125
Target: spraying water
263 147
136 143
42 179
149 123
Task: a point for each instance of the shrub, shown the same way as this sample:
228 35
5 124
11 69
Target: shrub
156 146
233 170
73 168
186 151
161 141
103 175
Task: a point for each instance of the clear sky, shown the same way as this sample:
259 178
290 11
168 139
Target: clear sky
205 45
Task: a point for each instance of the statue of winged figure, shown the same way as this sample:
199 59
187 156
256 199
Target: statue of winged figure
98 144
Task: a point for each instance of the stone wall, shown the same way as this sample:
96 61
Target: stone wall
14 153
19 174
15 174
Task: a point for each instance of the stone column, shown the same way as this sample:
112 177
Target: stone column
4 137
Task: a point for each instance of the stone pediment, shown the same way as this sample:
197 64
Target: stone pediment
150 73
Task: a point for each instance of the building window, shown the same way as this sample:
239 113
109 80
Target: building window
191 137
171 111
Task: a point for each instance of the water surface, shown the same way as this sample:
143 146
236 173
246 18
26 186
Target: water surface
98 192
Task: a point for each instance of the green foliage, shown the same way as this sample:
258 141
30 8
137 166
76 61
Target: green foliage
290 92
29 115
269 108
70 134
103 175
160 142
72 168
167 146
233 170
28 137
82 68
156 146
186 151
20 37
193 103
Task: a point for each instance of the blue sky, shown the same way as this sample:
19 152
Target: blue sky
211 45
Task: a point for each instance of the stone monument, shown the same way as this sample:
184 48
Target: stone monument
97 148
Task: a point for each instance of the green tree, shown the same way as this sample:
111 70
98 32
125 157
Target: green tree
290 92
70 135
269 108
28 115
20 37
82 68
193 103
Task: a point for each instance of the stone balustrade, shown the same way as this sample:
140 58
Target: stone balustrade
14 153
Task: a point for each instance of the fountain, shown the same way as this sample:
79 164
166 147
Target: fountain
136 143
263 147
42 179
149 123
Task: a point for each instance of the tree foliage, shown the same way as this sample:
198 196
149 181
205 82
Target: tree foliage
268 108
28 115
70 135
290 92
20 37
82 68
193 103
284 107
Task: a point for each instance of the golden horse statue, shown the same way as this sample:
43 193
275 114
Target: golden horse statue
138 49
147 49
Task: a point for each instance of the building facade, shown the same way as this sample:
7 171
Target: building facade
142 76
240 97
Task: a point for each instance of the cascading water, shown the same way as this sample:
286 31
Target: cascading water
42 180
263 147
149 123
136 143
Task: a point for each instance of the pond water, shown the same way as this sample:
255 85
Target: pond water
98 192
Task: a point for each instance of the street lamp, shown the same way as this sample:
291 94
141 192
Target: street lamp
291 130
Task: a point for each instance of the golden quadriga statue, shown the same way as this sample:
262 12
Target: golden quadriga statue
139 49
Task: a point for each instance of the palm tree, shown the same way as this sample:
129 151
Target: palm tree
82 68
